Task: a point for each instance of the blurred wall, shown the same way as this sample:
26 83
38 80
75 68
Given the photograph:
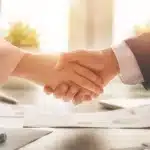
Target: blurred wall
90 24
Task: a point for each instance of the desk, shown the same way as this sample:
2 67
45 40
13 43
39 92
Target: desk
90 139
83 139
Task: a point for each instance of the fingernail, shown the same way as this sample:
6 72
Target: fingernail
48 92
89 98
95 95
86 97
65 99
98 90
102 90
76 102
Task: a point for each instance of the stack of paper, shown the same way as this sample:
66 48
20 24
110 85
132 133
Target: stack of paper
30 116
124 118
124 103
12 116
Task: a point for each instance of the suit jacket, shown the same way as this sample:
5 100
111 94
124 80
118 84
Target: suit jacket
140 46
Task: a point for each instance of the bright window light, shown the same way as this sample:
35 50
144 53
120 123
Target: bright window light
128 13
49 17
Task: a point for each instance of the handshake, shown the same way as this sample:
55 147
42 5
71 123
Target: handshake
83 74
78 76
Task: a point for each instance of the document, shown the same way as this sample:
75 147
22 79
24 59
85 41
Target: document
124 103
12 116
124 118
12 110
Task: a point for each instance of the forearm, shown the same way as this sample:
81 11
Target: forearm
9 58
35 66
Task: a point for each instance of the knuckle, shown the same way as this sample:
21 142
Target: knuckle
73 89
92 76
86 92
85 82
63 87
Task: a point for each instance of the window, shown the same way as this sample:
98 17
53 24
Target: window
49 17
127 14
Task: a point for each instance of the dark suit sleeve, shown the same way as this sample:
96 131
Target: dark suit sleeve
140 46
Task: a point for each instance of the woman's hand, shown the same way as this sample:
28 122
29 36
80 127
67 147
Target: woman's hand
40 68
71 92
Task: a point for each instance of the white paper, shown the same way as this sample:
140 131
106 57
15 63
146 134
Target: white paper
12 116
125 103
11 110
125 118
11 122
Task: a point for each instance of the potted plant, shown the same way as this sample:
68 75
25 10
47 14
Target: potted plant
143 28
22 35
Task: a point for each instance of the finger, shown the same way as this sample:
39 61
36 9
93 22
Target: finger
85 95
87 98
48 90
73 90
88 74
66 58
78 98
85 83
95 95
61 90
91 59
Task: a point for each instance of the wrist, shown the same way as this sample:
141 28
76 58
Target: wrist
36 67
114 61
111 61
25 66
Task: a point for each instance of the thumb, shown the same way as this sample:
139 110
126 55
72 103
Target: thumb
89 59
48 90
66 58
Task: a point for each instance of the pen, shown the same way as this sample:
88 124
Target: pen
8 100
129 148
3 138
146 146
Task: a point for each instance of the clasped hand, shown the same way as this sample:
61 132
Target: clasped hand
87 72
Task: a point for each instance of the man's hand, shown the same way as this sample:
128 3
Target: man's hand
89 59
103 63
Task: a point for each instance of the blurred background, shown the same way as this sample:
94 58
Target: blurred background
64 25
71 24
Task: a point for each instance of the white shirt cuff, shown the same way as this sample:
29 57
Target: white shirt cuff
130 72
